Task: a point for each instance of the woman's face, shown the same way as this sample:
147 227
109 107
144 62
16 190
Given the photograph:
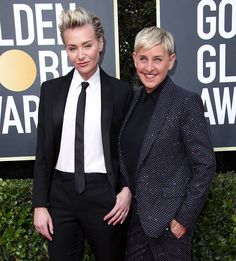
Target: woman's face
152 65
83 49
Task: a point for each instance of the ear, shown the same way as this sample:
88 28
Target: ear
135 58
172 61
101 44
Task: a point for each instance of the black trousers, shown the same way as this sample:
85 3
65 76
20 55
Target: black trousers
78 216
140 247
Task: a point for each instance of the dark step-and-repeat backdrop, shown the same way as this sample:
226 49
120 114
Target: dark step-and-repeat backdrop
32 52
205 34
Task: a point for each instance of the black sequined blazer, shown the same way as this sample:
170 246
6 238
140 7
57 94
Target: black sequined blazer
176 163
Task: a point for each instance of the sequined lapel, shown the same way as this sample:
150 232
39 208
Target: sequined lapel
157 120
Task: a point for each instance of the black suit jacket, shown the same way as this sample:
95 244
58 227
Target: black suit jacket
176 163
115 99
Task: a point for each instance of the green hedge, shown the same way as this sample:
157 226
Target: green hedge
215 237
18 239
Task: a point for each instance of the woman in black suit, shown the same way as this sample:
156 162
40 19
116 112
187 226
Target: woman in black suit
165 153
78 188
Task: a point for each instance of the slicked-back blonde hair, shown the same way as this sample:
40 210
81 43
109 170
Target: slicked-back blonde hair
79 17
151 36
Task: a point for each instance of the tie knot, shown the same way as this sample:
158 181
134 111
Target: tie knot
84 85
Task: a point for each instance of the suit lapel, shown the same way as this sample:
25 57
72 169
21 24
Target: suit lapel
106 116
60 101
157 120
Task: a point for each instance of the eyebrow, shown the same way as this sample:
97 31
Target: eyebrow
156 56
75 45
71 45
90 40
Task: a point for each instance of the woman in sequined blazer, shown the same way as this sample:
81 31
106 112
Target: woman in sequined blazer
165 154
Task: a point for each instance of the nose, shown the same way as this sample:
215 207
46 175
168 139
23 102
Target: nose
80 54
150 66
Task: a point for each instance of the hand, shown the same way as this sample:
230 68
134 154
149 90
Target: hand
121 208
43 222
177 229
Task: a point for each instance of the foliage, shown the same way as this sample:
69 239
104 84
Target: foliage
215 237
133 16
18 239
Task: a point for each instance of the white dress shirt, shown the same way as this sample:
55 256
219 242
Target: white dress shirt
93 149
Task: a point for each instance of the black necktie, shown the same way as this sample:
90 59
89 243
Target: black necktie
79 140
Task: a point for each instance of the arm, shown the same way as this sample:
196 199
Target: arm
201 158
130 95
121 208
42 219
43 168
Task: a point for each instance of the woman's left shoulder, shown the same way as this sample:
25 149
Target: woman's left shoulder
186 95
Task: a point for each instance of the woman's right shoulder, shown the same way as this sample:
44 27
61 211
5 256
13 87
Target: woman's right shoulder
55 82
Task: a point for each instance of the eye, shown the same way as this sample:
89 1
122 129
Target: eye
142 58
157 59
87 46
72 49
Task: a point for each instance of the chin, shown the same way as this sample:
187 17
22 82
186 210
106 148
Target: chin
152 87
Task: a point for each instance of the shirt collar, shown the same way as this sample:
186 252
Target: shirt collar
92 80
156 93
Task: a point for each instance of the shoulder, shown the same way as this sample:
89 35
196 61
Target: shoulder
119 82
190 104
184 99
184 95
114 82
57 81
121 87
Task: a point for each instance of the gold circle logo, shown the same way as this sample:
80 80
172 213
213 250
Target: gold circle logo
17 70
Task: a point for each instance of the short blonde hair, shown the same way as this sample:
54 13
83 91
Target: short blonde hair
151 36
79 17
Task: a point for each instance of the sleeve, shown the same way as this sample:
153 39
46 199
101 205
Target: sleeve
41 174
198 146
129 97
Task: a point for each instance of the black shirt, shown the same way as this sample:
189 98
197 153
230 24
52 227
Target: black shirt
134 132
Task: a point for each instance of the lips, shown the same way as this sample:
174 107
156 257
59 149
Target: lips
83 64
150 76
